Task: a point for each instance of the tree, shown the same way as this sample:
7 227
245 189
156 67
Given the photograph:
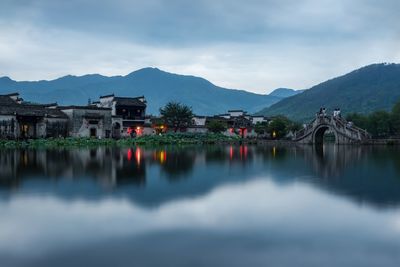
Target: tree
177 115
379 124
294 126
395 118
278 127
359 120
261 128
216 126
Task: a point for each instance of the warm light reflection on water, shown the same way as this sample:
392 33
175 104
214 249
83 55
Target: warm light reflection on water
238 205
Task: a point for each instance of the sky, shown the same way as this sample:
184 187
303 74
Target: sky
255 45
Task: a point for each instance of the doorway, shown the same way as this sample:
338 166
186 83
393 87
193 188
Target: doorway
24 130
93 132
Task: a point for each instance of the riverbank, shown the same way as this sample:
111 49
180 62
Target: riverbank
383 142
166 139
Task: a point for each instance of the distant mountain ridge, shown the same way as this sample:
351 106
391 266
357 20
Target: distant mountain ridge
156 85
285 92
371 88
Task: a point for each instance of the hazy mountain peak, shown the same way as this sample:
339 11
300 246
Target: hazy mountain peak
6 81
147 70
5 78
284 92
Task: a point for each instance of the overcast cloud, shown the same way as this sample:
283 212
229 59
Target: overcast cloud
254 45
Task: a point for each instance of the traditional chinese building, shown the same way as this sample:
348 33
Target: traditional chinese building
238 122
88 121
128 114
198 125
19 120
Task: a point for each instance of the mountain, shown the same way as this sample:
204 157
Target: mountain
285 92
157 86
371 88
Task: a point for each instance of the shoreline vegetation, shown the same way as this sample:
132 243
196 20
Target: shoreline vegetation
152 140
156 140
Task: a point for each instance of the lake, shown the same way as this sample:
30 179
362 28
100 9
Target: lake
201 206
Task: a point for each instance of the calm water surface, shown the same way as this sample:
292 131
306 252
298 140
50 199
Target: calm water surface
200 206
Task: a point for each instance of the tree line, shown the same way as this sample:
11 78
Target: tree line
179 116
380 124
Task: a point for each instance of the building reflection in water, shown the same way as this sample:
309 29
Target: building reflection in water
239 153
178 164
351 171
138 155
160 156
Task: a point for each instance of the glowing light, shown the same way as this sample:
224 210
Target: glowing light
138 155
139 131
243 152
231 152
273 134
129 154
163 156
242 131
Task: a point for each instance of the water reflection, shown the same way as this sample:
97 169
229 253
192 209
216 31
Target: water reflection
239 205
354 171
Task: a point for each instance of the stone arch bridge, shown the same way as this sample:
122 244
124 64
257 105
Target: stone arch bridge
344 133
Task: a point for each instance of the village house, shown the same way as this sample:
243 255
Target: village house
19 120
128 114
238 123
259 119
88 121
198 125
236 113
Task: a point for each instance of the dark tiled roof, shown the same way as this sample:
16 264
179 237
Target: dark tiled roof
216 118
129 101
9 107
41 105
55 113
106 96
31 110
6 100
83 107
13 94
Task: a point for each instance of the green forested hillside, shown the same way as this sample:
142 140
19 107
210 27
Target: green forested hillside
371 88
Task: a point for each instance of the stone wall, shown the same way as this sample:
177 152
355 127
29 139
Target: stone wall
8 126
80 123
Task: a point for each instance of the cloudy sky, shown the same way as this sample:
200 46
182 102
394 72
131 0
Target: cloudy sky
257 45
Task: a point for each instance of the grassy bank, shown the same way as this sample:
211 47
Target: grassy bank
166 139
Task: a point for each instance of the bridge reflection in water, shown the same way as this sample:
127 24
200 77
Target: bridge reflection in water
153 176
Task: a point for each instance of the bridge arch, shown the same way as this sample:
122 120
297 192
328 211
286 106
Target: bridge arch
319 131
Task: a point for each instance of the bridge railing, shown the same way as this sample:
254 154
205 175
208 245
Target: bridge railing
342 123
